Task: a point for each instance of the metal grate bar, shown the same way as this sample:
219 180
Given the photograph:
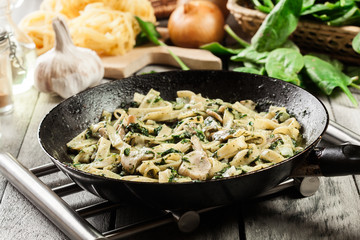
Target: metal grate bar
67 189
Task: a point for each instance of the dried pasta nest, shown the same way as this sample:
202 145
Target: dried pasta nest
105 26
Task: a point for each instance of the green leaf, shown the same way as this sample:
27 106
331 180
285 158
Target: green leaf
356 43
277 26
149 29
307 4
218 49
251 55
354 73
247 70
285 64
327 77
344 18
290 44
336 63
316 8
232 34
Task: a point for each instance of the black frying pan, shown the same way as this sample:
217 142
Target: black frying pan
75 114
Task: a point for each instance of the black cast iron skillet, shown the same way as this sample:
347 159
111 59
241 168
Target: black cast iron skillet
75 114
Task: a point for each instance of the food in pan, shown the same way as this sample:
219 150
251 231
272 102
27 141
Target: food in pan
190 139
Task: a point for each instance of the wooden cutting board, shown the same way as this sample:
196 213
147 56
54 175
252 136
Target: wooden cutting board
123 66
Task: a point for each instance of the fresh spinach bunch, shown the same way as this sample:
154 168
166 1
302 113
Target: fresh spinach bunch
282 59
331 12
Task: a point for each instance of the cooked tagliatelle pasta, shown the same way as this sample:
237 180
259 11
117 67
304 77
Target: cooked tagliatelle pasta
192 138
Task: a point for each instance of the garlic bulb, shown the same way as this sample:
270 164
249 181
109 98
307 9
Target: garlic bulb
67 69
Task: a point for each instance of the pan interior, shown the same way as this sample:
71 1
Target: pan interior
75 114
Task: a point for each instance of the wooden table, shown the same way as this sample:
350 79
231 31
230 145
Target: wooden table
332 213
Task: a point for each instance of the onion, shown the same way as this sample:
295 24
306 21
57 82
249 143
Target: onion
196 23
220 3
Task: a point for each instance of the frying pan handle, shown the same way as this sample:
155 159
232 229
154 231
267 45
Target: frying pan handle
338 160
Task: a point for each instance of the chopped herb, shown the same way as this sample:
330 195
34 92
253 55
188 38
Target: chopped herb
173 175
251 123
231 131
185 159
185 140
150 152
88 134
157 130
134 104
157 99
127 151
249 152
178 138
276 143
122 105
282 116
220 173
200 134
136 128
198 118
170 150
162 162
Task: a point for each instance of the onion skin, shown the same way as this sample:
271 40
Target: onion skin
196 23
220 3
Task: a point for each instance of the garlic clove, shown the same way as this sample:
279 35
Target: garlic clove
67 69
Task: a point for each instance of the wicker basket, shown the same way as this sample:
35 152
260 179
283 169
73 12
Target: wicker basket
163 8
310 36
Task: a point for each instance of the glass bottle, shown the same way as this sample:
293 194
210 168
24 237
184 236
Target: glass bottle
23 53
6 98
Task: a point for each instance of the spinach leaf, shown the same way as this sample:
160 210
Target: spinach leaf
285 64
307 4
247 70
251 55
336 63
263 7
345 17
327 77
149 29
232 34
354 73
290 44
277 26
218 49
252 65
356 43
321 7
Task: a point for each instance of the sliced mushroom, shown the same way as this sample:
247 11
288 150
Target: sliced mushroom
132 157
214 115
196 166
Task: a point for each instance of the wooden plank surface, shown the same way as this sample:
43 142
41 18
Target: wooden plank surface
11 139
332 213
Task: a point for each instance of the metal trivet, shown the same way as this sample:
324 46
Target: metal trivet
72 222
